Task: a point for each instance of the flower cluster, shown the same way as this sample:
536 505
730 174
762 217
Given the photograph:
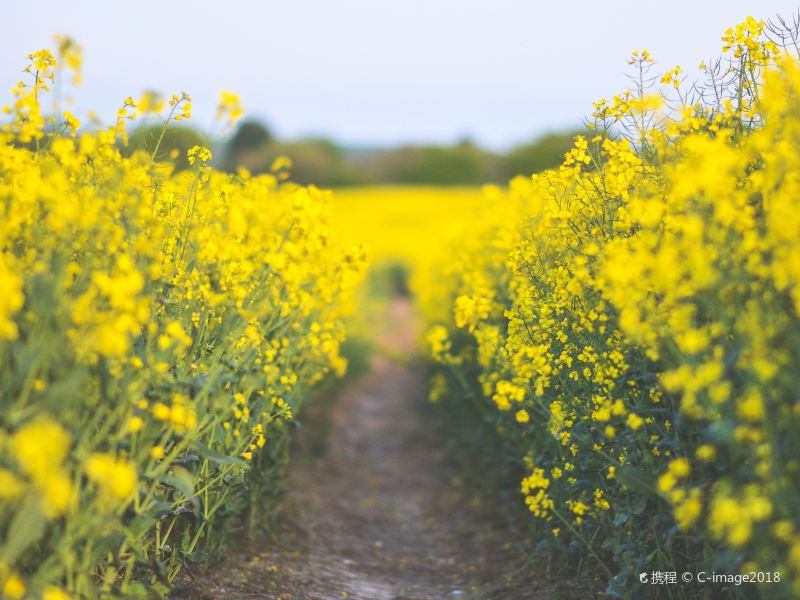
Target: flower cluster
633 330
158 331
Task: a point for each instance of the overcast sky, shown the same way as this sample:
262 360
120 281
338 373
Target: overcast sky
375 71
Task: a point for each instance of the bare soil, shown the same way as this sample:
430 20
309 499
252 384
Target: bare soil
377 515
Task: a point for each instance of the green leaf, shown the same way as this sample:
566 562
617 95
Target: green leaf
639 505
27 528
637 480
183 481
136 590
140 525
221 459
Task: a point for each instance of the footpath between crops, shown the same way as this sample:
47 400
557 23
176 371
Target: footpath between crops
375 514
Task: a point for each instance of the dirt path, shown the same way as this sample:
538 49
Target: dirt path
377 516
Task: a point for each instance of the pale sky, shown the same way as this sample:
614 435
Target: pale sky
375 71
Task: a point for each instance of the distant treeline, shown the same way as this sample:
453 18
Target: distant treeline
326 163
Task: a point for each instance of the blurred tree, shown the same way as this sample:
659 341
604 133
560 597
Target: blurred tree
176 142
246 145
314 161
462 164
250 135
543 153
322 162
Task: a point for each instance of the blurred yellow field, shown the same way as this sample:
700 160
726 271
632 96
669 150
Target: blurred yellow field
405 223
408 229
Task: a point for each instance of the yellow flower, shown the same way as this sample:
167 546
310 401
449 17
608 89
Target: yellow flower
135 424
150 102
578 508
51 592
161 412
688 511
751 406
176 332
679 467
634 421
672 77
181 414
438 342
666 482
229 108
40 446
11 299
705 452
522 416
71 121
600 500
56 491
11 487
200 153
13 587
281 163
115 478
